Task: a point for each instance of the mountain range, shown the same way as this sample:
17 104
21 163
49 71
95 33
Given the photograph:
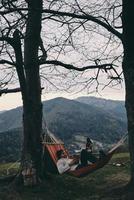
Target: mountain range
102 120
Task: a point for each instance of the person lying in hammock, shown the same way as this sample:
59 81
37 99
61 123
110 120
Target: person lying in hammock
87 157
64 163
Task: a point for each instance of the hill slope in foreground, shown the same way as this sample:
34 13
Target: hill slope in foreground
104 184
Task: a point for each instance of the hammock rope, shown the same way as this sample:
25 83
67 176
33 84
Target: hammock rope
119 143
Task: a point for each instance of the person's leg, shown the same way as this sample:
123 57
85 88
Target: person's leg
101 154
91 157
83 158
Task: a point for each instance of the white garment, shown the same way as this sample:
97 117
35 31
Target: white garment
73 167
63 165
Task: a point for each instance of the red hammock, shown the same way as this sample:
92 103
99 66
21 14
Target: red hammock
51 160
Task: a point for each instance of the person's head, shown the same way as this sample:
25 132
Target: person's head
88 144
60 154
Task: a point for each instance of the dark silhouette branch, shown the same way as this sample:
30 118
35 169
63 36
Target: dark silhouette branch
7 62
107 66
86 17
8 40
7 91
14 90
72 15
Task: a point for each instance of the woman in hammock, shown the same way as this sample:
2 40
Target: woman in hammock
87 156
64 163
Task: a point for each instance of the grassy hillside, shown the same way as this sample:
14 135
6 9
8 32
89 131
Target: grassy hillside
104 184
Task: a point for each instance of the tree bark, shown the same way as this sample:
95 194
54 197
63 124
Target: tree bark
128 69
32 107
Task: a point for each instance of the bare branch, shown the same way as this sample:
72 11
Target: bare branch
14 90
7 62
72 15
7 91
7 39
107 66
86 17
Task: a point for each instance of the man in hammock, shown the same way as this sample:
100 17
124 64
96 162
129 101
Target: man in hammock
86 156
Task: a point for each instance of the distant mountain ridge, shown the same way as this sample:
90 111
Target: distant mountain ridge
104 122
67 117
11 119
115 107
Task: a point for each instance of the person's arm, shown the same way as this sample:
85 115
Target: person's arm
90 148
73 161
62 166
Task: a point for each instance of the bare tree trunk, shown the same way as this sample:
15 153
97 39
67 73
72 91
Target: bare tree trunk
128 69
129 79
32 107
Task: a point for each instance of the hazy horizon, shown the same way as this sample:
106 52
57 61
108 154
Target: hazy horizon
11 101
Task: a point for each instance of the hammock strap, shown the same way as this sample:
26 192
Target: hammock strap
119 143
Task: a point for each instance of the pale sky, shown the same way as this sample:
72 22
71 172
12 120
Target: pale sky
90 47
10 101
